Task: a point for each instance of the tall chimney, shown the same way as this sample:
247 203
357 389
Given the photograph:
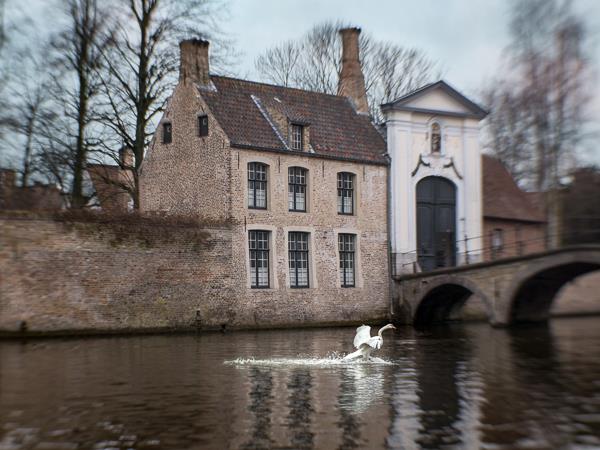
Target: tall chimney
193 61
126 157
352 81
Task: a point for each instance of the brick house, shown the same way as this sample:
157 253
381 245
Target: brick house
514 223
39 196
300 176
109 183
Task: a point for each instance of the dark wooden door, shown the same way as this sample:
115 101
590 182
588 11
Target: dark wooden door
436 223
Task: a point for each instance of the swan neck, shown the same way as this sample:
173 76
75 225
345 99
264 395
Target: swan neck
382 330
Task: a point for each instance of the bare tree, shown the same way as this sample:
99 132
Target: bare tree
2 24
23 92
537 119
314 63
76 52
508 130
142 68
279 63
25 121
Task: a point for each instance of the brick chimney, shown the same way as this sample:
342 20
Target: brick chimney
126 157
352 81
193 61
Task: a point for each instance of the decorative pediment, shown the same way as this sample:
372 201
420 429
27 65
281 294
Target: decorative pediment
437 98
437 165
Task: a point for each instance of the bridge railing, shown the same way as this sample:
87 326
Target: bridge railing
491 252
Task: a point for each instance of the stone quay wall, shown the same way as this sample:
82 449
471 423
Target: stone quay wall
76 277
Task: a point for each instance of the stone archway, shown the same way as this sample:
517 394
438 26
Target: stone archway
534 290
444 300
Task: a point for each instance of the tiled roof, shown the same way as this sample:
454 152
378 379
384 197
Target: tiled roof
336 130
502 198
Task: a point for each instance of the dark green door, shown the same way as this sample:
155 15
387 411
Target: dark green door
436 223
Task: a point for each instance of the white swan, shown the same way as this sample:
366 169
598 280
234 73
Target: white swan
365 343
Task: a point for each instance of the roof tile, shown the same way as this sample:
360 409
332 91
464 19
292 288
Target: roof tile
502 198
336 130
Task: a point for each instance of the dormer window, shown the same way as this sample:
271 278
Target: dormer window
296 137
436 138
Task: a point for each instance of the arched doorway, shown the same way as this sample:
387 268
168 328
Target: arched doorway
436 223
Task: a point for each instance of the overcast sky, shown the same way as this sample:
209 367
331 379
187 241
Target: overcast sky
466 37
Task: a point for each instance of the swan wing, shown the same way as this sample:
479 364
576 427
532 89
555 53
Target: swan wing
375 342
363 334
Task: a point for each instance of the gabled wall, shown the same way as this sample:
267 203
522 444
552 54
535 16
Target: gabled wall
191 174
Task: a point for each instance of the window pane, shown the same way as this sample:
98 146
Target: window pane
296 189
261 194
347 203
298 259
302 277
345 183
349 276
261 172
258 242
300 206
251 194
257 185
346 244
296 141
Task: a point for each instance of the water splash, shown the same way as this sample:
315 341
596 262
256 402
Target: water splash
331 360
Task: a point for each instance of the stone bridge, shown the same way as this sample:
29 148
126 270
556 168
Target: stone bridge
518 289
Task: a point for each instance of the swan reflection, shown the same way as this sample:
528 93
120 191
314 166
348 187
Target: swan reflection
362 385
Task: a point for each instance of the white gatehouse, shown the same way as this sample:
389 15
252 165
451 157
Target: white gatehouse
435 178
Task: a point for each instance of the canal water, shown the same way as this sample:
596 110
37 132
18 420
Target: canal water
462 386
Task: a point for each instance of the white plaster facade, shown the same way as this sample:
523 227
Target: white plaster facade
409 123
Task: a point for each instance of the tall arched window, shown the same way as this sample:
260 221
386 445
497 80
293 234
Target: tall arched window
257 185
436 138
297 189
345 183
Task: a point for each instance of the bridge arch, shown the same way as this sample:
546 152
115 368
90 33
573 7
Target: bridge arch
534 289
444 298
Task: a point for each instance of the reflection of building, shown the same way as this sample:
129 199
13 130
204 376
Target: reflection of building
433 142
513 224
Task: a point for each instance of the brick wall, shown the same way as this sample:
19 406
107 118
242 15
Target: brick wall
325 301
77 277
191 174
73 277
518 238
